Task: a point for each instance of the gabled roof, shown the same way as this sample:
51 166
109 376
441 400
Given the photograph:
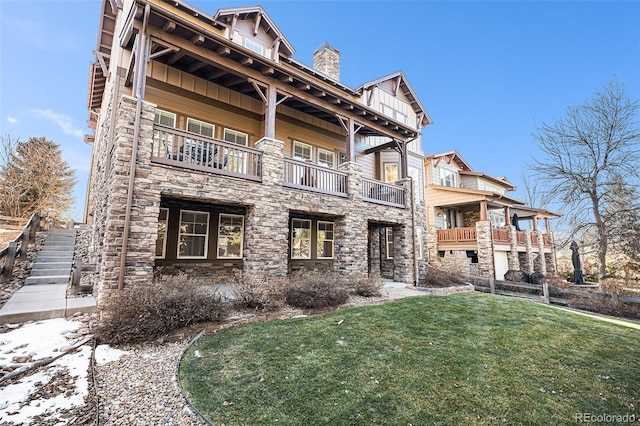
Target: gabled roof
500 181
403 84
452 156
225 17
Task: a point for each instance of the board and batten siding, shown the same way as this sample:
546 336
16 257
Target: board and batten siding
383 95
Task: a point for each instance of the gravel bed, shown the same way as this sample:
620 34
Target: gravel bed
141 388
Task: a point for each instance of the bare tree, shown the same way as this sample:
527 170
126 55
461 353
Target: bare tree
534 193
582 152
33 177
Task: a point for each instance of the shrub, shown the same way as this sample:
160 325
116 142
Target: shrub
260 292
316 290
147 311
368 285
435 277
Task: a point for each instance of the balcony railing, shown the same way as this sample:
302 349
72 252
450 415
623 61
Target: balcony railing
521 238
192 151
534 240
500 235
457 235
311 177
382 193
546 240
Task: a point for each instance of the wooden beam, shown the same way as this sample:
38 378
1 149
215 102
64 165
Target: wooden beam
223 51
217 73
303 86
176 57
370 96
267 70
169 26
246 61
103 65
197 39
196 66
286 79
396 86
256 24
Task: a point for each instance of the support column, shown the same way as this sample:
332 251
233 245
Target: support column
271 104
540 263
140 250
351 135
526 261
375 243
514 262
403 254
267 223
485 249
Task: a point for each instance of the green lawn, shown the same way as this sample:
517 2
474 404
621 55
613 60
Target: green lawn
463 359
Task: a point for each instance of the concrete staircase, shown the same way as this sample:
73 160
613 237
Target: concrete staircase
55 259
44 295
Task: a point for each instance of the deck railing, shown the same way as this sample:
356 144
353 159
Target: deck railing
520 237
18 246
546 240
382 193
500 235
311 177
457 235
192 151
534 240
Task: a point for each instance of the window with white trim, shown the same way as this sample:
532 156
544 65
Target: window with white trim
302 151
230 236
163 142
161 242
193 234
394 113
389 242
164 118
235 159
326 158
390 172
325 240
447 177
201 127
301 239
238 138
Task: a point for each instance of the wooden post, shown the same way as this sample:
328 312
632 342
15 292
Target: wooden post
33 228
9 258
545 292
26 234
492 286
614 297
76 272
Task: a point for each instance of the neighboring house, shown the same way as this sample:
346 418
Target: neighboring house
243 157
476 227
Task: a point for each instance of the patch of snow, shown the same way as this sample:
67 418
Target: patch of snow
44 338
15 407
105 354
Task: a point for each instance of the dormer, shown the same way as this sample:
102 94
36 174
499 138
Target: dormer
252 28
393 96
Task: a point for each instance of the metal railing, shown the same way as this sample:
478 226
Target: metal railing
193 151
378 192
311 177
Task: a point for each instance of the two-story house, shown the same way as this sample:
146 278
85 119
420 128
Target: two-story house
215 150
476 227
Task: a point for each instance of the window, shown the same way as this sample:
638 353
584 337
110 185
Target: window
394 113
326 158
161 242
448 178
230 236
193 234
165 118
162 141
200 127
301 151
325 240
390 172
252 45
414 172
301 239
389 241
236 137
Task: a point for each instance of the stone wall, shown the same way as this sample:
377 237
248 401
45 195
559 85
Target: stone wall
269 206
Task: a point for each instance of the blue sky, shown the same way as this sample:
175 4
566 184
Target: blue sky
488 73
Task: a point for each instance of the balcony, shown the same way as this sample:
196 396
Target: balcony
311 177
457 236
188 150
379 192
500 235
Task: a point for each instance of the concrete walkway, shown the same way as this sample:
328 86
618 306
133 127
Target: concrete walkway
44 294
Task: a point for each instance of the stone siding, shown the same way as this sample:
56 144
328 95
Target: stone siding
269 205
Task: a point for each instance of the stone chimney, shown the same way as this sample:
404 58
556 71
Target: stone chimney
326 59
